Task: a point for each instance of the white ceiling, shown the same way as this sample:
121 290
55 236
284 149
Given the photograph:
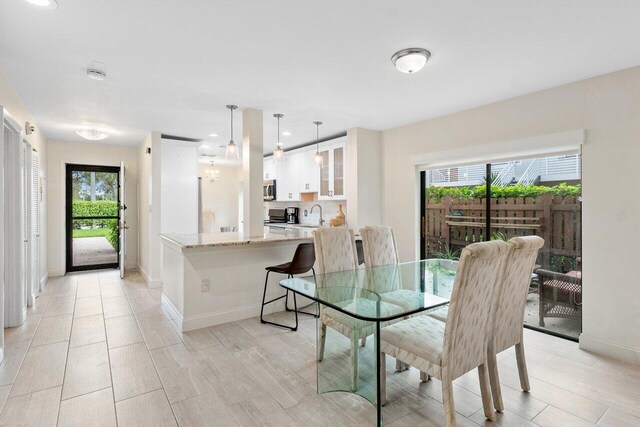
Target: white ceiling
173 65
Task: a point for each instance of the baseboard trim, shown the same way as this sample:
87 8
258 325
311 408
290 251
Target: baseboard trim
172 310
149 281
614 350
43 282
207 320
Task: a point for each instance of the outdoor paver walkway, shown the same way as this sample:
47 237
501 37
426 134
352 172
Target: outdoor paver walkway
92 251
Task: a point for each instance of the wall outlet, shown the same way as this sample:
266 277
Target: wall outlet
204 287
306 213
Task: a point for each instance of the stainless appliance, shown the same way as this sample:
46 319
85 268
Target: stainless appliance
292 215
269 190
277 216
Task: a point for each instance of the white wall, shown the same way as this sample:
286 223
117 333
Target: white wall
10 100
87 153
221 198
179 188
144 207
608 108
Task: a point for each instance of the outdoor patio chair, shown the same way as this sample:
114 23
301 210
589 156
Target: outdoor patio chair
560 294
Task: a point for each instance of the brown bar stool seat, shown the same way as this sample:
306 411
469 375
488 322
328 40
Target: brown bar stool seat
302 262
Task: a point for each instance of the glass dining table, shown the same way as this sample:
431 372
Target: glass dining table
363 301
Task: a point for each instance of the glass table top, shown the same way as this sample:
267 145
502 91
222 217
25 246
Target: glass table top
381 293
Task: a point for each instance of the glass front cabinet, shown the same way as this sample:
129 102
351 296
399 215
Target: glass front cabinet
332 173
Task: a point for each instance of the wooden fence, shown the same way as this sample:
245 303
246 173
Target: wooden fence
452 224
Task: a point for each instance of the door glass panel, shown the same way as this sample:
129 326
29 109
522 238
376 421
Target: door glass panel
324 174
338 171
93 217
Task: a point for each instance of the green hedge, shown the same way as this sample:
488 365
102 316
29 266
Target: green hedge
479 191
98 208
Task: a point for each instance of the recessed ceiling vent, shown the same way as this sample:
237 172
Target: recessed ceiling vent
95 74
179 138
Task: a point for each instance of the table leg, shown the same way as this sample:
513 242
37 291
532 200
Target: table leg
378 378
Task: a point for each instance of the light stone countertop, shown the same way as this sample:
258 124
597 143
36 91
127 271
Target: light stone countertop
271 235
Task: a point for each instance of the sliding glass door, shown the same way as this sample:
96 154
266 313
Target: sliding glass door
92 217
529 196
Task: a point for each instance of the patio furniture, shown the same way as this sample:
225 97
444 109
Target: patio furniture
449 350
560 294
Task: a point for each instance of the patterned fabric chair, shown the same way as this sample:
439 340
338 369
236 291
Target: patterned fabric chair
335 252
509 305
449 350
560 295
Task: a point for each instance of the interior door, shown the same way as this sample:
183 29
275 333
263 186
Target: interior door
123 221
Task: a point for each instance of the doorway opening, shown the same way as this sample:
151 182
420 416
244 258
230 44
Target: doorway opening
527 196
92 217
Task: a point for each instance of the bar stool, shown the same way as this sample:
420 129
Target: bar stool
302 262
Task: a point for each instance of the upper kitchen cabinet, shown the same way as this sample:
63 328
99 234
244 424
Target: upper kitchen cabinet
309 172
269 169
288 178
332 173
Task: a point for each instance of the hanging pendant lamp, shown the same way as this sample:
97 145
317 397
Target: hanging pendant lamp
278 153
232 148
318 157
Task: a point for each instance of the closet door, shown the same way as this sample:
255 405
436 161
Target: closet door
35 223
25 180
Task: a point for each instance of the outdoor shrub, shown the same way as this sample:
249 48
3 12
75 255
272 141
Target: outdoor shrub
97 208
114 234
519 190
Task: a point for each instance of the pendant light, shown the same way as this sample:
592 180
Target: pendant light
318 157
232 148
278 153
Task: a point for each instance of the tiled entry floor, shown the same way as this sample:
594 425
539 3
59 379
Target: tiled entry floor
96 350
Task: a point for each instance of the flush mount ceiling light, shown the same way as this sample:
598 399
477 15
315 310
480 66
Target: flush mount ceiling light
45 4
278 153
92 134
410 60
213 135
318 157
204 146
232 148
286 133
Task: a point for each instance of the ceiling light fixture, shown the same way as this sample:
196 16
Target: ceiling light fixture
286 133
212 174
410 60
318 157
232 148
205 146
92 134
213 135
45 4
278 153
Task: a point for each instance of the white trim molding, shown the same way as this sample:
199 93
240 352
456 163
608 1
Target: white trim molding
152 283
617 351
536 146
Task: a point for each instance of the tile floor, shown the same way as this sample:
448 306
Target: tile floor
97 350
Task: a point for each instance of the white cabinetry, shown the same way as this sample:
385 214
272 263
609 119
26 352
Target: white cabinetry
268 169
332 174
288 176
309 172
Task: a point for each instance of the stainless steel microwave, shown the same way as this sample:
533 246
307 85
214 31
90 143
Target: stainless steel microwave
269 190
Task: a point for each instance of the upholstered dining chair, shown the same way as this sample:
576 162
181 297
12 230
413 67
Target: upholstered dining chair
448 350
509 305
336 252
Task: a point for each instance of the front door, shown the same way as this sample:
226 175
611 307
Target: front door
93 208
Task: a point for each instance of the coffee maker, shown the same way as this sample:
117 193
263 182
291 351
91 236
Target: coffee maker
292 215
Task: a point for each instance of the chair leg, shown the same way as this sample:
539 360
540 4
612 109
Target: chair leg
354 362
522 367
264 296
447 401
383 379
323 337
494 380
363 341
424 377
399 366
485 391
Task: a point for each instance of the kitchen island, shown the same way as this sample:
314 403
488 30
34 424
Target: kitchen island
209 279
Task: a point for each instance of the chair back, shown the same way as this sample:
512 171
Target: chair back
379 245
469 320
303 259
512 292
227 229
335 250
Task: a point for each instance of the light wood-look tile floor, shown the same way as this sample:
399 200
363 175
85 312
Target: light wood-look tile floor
97 350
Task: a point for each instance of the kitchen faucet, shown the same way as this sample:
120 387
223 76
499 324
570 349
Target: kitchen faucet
319 207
